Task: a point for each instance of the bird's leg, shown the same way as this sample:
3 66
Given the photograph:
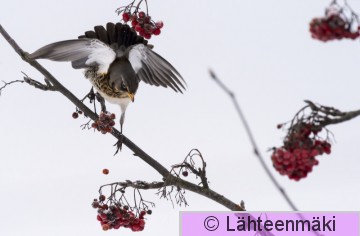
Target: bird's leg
122 118
120 140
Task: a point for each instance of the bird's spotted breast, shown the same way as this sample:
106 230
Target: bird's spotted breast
101 83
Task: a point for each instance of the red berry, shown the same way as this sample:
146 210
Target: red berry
117 225
135 228
75 115
102 115
148 28
147 19
95 204
102 198
136 221
126 222
126 16
185 173
103 217
133 17
141 14
105 171
138 28
156 31
142 223
112 116
159 24
105 227
142 33
134 23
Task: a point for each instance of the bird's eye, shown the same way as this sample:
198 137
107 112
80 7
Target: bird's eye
123 87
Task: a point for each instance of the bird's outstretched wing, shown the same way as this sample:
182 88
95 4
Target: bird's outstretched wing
151 68
82 53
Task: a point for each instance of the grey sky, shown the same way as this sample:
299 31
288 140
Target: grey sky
51 169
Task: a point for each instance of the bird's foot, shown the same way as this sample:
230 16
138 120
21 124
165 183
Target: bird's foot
90 95
119 144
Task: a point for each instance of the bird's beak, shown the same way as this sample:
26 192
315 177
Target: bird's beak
131 96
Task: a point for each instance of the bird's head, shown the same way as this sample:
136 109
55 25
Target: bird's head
130 88
123 77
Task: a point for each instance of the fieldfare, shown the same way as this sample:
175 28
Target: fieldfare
115 60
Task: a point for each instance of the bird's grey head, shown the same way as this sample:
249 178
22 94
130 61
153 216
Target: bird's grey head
123 77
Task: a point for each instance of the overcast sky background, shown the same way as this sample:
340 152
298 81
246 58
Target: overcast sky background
51 169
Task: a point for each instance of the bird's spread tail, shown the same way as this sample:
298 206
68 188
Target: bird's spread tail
119 34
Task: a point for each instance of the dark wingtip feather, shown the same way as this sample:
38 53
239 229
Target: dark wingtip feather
90 34
110 28
101 34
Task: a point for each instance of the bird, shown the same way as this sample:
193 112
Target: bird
115 60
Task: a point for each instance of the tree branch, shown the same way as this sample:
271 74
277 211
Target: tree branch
9 83
256 149
45 87
132 146
332 115
252 140
137 184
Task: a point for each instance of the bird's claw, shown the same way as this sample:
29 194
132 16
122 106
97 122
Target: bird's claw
119 144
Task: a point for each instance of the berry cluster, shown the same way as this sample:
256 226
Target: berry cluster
116 216
142 23
105 123
334 26
76 114
297 157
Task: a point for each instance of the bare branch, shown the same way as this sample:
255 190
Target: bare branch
45 87
137 184
9 83
256 149
329 115
252 140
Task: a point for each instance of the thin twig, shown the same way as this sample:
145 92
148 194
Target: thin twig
137 184
9 83
256 149
45 87
252 140
331 115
